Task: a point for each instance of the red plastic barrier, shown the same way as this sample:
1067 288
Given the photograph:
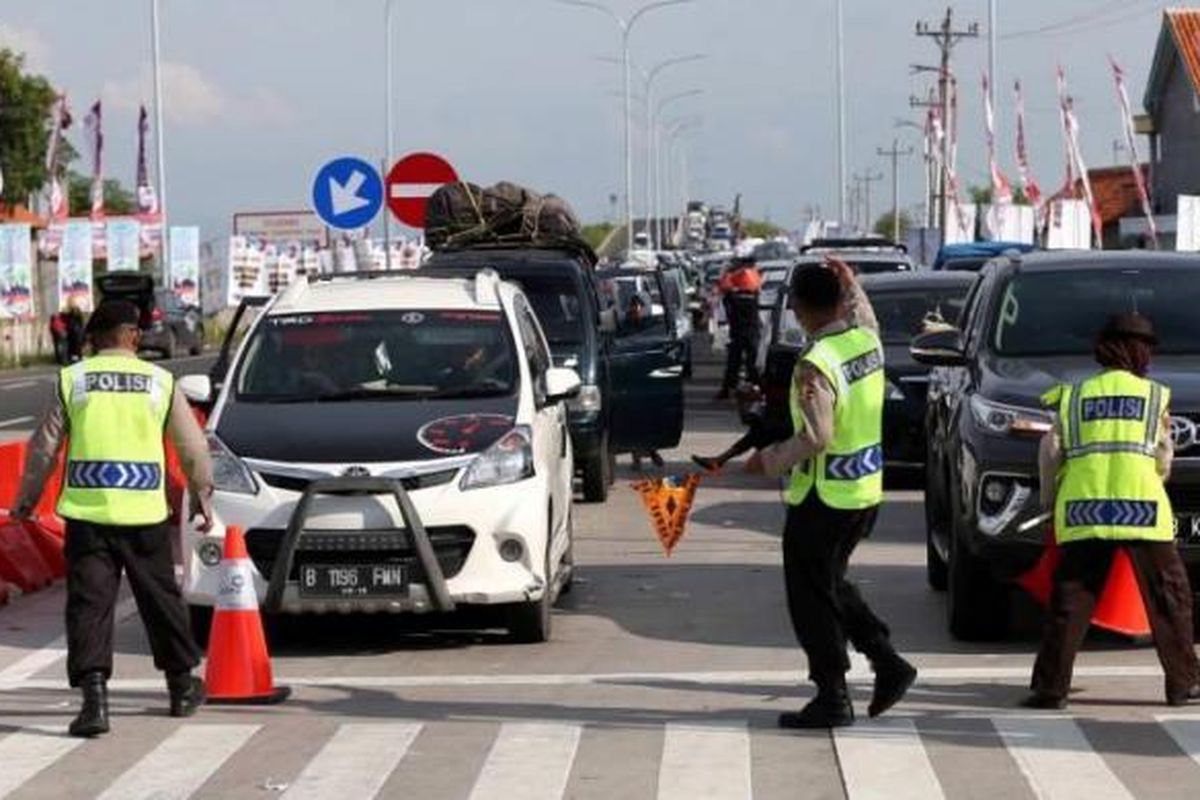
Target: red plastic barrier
12 464
5 592
21 562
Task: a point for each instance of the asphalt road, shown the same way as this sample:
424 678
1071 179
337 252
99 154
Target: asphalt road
663 680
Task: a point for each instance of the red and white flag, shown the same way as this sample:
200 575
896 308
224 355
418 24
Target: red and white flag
1131 143
147 198
1075 155
1001 188
95 131
1028 183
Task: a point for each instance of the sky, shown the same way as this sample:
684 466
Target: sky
259 93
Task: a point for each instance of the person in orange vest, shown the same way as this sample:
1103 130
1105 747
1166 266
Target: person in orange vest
111 411
739 288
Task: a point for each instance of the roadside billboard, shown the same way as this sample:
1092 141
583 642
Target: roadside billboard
281 228
16 272
75 266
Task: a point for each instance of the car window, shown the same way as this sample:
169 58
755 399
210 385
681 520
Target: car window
372 354
558 304
1060 313
536 354
876 266
902 315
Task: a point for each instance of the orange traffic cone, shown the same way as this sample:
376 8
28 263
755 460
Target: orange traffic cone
239 668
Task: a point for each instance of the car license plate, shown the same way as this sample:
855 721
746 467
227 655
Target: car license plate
353 580
1187 527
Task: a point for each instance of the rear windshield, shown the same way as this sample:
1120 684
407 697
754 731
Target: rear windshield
876 266
1059 313
902 315
411 354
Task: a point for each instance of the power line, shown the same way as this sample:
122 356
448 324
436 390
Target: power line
1093 20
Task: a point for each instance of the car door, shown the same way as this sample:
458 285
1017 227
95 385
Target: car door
646 376
247 313
551 440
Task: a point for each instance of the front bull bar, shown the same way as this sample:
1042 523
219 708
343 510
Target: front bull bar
418 538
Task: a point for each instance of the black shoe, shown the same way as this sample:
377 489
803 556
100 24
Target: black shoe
707 464
834 711
187 694
93 716
1189 696
892 682
1044 702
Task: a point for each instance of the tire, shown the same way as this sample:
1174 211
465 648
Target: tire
170 347
201 621
597 475
529 623
936 569
937 573
198 345
977 605
569 556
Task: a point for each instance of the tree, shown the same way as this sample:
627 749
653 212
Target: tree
757 229
595 235
25 107
884 227
118 200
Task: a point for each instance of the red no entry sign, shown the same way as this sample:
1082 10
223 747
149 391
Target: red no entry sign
410 182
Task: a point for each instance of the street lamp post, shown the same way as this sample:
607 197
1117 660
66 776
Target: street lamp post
626 25
840 35
652 156
389 134
663 173
159 153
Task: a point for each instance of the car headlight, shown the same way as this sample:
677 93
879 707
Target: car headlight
893 392
507 461
1003 420
587 400
229 473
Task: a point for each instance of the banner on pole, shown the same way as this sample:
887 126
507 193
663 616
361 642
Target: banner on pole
16 272
185 263
246 270
960 223
75 267
1010 223
1187 231
123 240
1070 226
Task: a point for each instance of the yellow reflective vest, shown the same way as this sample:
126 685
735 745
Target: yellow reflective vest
116 409
849 474
1109 486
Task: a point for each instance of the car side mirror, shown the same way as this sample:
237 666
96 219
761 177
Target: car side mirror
198 389
561 384
940 348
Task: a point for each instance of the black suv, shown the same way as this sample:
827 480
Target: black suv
1028 324
632 396
169 327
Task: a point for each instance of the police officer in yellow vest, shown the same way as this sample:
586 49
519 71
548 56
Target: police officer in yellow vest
835 463
112 410
1102 470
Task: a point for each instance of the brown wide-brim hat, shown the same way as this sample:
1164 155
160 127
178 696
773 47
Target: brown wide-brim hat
1129 325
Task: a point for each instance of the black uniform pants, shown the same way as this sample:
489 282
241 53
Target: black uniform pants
825 607
1078 580
96 556
743 351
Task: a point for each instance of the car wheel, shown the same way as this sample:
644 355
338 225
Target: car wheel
569 556
198 345
976 603
170 347
201 621
597 475
529 623
935 566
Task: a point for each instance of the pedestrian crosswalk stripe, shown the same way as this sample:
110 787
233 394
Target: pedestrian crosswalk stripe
181 763
705 762
1185 730
355 763
1058 760
884 759
27 752
528 760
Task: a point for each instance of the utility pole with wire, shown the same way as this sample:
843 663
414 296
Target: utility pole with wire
866 180
895 154
945 37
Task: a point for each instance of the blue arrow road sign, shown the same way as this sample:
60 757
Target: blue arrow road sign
347 193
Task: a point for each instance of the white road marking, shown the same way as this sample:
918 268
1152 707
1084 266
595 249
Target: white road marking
15 421
356 762
529 760
181 764
1185 730
885 759
767 678
705 762
1058 760
18 674
8 387
28 752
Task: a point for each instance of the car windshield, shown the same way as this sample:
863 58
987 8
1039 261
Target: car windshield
1059 313
557 302
902 315
410 354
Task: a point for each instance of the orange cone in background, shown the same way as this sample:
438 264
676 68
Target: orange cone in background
239 668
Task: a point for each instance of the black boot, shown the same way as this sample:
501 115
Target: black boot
93 716
1190 696
893 678
831 708
187 694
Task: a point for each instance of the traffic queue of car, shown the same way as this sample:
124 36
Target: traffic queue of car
410 442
